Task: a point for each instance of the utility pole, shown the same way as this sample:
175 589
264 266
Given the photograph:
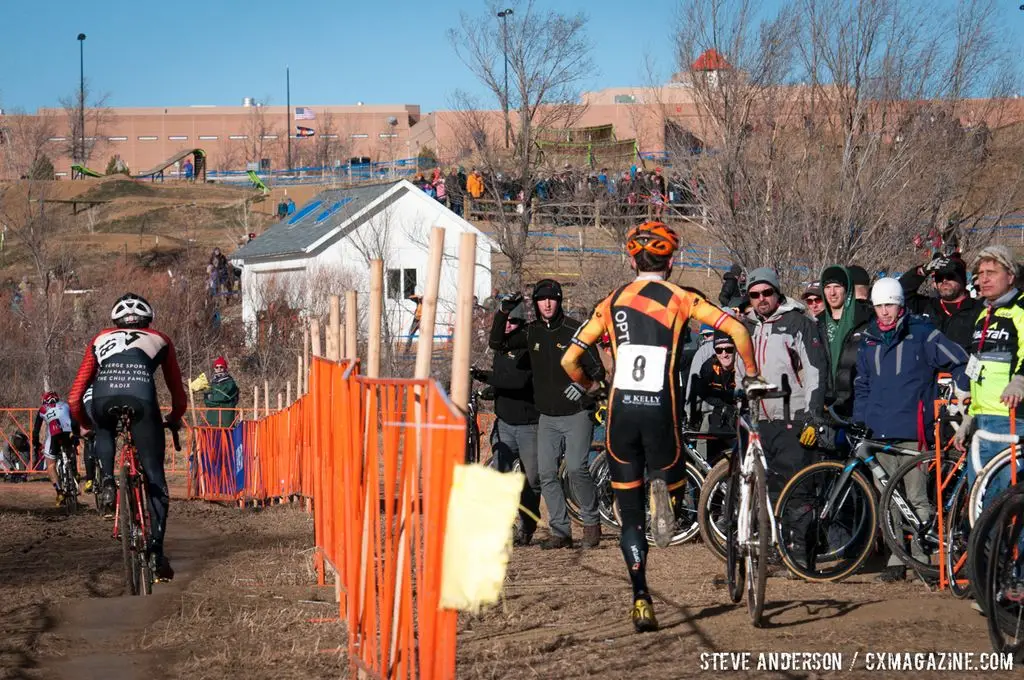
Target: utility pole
503 15
81 94
288 122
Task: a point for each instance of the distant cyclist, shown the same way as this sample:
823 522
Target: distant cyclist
61 431
120 364
647 322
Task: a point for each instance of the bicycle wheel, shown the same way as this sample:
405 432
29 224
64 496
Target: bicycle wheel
900 533
606 507
146 567
981 495
838 539
957 537
711 508
686 526
1004 595
735 566
126 530
757 549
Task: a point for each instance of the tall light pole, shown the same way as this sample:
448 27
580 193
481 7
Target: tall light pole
503 15
81 93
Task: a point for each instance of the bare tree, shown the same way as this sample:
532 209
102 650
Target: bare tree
97 114
845 143
263 135
37 226
25 139
548 57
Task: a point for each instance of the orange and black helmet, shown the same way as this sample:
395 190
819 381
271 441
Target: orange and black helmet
657 238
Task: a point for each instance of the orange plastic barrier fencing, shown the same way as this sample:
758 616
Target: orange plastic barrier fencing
376 457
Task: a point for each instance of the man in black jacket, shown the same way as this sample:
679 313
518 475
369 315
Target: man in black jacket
564 422
515 428
841 325
952 311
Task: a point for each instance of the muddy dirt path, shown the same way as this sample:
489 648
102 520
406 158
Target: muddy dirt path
241 595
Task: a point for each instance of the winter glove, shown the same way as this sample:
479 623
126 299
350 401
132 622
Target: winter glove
754 385
479 374
937 263
809 436
510 303
963 434
1014 392
574 392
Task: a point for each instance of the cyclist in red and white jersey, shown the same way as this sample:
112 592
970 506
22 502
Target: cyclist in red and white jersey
120 363
60 430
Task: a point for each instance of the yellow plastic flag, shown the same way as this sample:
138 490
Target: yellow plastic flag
200 384
481 511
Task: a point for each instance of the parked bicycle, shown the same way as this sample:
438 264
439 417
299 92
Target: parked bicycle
133 525
750 526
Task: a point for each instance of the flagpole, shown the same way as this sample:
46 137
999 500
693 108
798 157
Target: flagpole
288 122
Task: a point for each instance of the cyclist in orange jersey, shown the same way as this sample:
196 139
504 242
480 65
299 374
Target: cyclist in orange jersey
647 322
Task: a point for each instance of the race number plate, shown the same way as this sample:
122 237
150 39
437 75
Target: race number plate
973 370
640 368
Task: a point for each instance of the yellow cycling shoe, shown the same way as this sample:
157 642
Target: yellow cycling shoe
60 500
88 486
643 616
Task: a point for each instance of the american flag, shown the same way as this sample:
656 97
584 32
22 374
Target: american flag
304 113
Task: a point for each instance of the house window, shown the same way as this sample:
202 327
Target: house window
238 137
147 138
410 282
117 139
178 138
359 135
208 138
56 139
401 283
387 135
269 136
394 284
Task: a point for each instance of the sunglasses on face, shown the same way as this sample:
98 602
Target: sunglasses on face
725 350
758 294
812 300
939 278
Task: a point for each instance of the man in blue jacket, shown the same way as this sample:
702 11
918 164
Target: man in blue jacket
897 362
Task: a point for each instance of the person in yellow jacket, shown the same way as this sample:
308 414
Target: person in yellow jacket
475 184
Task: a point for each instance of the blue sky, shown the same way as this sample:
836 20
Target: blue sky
217 51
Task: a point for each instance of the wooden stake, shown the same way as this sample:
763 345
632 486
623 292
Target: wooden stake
288 392
333 329
425 346
266 397
463 331
298 375
255 402
351 326
280 401
373 329
304 370
314 334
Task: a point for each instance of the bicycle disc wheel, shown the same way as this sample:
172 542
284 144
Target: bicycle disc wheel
900 533
836 543
760 544
735 566
957 538
126 530
711 508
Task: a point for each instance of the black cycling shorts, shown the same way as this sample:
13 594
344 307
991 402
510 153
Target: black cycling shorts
643 440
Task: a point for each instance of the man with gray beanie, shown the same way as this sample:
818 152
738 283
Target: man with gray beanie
996 368
790 353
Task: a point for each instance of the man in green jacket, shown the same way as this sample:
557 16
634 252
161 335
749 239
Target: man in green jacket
222 394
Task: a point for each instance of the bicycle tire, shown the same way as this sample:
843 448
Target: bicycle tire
986 476
893 535
1005 621
711 508
126 531
757 559
957 539
735 567
147 572
861 533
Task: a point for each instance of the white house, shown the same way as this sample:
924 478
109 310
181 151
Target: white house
326 245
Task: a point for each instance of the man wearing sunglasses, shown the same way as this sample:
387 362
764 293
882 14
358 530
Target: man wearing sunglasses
951 309
814 299
790 353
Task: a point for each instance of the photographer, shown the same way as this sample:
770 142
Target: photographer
515 428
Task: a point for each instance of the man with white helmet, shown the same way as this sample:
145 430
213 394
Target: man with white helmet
894 389
120 363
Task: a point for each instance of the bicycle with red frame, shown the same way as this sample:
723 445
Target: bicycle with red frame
132 524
